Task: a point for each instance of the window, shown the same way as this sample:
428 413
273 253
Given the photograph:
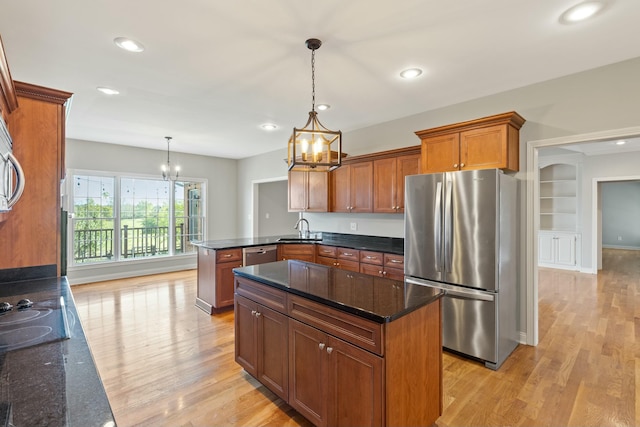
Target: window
119 218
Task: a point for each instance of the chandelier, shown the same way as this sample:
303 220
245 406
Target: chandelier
166 168
314 147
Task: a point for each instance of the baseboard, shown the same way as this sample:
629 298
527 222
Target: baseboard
627 248
120 271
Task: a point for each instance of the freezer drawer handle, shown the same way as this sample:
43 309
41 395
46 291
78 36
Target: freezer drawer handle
468 296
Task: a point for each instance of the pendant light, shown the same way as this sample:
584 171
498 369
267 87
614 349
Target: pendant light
314 147
166 168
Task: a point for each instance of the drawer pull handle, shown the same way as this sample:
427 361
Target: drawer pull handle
321 346
347 254
397 261
371 257
228 255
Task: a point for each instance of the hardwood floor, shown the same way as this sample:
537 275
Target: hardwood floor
165 362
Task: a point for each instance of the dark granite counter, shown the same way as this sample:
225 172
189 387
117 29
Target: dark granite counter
374 298
392 245
48 380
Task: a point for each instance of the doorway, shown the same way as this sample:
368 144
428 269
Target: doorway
533 215
271 216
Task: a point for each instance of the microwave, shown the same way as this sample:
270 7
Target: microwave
11 174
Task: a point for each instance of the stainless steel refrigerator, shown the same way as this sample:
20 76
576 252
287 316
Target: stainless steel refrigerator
461 236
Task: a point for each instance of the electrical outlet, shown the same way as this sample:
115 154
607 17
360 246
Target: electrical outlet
354 226
619 238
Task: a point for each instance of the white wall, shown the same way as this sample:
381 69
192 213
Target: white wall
221 197
595 100
620 214
274 217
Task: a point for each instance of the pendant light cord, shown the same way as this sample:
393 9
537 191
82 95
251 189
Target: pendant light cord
313 80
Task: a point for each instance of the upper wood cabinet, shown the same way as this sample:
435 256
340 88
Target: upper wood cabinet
388 182
308 191
352 188
33 224
486 143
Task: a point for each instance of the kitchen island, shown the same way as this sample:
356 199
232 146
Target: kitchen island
375 255
342 348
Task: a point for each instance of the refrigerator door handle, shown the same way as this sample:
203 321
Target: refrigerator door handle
448 226
437 226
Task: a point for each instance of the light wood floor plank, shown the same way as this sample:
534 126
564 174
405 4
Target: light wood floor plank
166 363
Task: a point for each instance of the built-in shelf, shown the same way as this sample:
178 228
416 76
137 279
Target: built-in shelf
559 197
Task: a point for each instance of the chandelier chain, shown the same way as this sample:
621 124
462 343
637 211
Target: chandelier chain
313 80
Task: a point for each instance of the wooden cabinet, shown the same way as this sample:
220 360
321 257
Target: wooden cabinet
261 344
215 278
333 382
299 251
308 191
380 264
37 130
558 249
487 143
344 258
352 188
342 369
388 182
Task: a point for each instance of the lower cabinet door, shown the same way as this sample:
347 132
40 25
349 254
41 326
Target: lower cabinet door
307 372
273 362
355 385
224 284
246 341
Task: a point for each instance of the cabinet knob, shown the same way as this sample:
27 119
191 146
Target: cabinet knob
258 314
321 346
455 165
380 271
461 165
329 350
253 312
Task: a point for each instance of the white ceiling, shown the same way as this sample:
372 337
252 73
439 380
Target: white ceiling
214 71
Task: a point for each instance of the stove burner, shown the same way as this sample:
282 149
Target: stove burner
25 303
4 307
23 316
23 336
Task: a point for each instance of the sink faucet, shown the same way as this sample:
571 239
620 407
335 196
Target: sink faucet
299 227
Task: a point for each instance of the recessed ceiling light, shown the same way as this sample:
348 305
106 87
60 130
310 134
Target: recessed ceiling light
581 11
128 44
323 107
269 126
621 142
410 73
108 90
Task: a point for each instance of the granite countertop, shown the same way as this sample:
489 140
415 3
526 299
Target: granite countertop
378 299
53 382
392 245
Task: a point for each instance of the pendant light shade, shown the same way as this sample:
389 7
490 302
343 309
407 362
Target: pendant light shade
314 147
166 168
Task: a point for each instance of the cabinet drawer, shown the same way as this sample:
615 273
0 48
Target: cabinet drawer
228 255
346 253
291 250
262 294
327 251
346 264
353 329
394 261
371 257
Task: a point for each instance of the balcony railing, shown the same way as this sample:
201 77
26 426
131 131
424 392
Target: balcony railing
97 244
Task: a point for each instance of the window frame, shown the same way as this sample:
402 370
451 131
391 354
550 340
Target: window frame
68 206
